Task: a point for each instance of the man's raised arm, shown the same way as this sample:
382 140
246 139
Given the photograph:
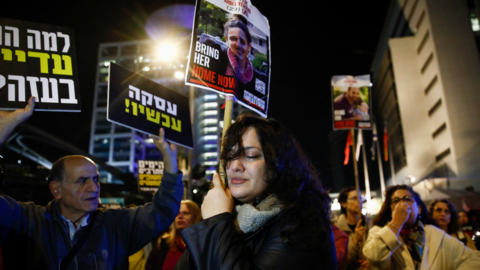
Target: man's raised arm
9 120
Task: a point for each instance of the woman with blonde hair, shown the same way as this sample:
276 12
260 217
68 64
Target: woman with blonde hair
170 246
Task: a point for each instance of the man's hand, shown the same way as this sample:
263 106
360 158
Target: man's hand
364 265
218 199
359 232
169 152
9 120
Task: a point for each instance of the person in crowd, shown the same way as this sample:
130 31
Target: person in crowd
281 216
168 248
446 217
467 226
341 246
70 232
462 217
350 221
403 237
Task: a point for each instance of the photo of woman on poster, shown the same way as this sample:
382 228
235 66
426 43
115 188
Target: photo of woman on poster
230 52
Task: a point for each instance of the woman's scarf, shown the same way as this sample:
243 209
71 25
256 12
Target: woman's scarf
251 218
415 241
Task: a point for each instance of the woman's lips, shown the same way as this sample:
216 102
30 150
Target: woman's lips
238 180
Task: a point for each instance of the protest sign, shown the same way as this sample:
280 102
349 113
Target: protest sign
112 203
141 104
351 102
230 52
38 60
149 175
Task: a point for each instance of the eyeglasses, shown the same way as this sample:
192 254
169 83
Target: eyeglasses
406 198
356 199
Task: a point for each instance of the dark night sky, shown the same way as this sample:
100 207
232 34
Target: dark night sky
309 42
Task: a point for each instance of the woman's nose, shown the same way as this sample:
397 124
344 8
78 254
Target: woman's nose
236 165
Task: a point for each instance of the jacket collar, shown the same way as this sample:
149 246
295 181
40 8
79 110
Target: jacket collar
52 212
343 224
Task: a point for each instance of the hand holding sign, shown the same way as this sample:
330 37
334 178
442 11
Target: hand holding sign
169 152
9 120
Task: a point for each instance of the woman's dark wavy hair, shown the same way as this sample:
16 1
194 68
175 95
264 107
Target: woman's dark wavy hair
385 214
295 182
454 225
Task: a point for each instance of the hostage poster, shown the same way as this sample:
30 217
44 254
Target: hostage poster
230 52
38 60
351 102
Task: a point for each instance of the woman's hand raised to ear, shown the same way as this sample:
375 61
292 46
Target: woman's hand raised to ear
218 199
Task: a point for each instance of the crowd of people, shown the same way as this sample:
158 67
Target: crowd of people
271 212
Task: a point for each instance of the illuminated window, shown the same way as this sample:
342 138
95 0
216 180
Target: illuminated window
210 112
209 146
211 105
210 97
474 21
206 163
210 121
210 137
210 155
210 129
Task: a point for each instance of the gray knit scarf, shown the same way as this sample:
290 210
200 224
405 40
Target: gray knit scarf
251 218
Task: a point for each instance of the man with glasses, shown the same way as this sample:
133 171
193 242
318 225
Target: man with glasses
352 223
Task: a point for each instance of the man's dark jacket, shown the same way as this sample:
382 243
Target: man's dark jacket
35 237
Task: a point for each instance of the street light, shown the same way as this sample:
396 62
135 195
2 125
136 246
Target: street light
166 51
179 75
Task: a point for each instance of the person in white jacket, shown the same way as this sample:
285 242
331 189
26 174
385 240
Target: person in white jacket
403 238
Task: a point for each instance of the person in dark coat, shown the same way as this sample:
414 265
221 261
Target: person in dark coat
37 237
281 215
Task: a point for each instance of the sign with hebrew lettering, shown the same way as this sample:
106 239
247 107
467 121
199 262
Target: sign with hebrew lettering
150 174
144 105
351 102
112 203
38 60
230 52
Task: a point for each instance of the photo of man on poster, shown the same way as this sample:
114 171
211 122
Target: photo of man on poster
351 106
351 97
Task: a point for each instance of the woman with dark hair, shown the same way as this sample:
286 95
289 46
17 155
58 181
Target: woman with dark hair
445 215
352 223
403 238
281 217
169 247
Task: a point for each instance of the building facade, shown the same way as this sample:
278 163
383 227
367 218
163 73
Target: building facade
426 71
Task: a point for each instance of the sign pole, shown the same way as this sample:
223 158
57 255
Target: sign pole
355 169
227 120
357 185
365 172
